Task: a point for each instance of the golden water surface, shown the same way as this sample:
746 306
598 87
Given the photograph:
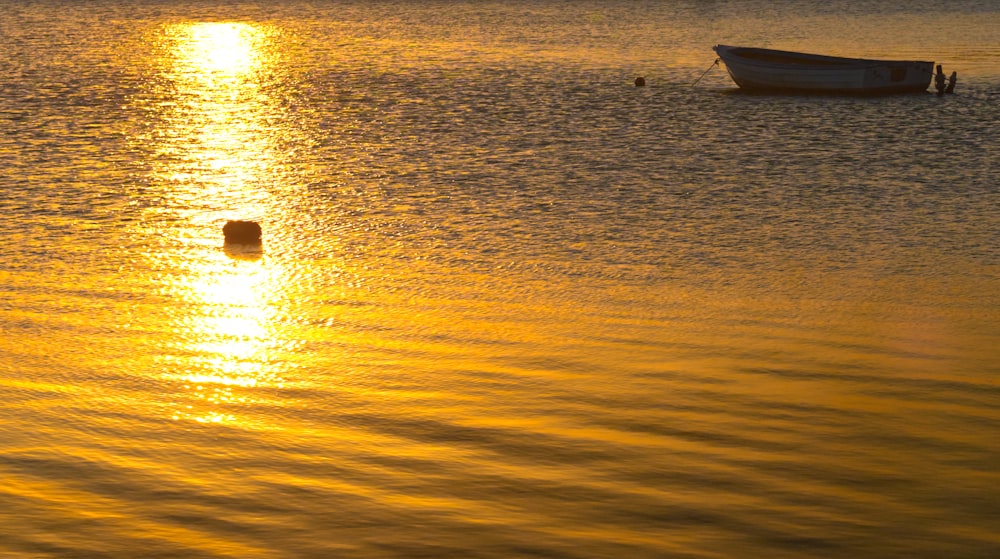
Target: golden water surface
506 304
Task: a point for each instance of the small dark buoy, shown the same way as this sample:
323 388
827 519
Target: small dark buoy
242 232
640 81
951 83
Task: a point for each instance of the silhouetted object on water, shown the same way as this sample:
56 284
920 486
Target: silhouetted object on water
939 80
951 83
242 232
757 69
640 81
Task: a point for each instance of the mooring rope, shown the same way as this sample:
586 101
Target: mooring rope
714 64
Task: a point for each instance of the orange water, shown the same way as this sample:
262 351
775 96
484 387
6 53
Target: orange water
507 304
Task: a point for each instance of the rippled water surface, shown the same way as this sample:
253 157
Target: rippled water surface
507 304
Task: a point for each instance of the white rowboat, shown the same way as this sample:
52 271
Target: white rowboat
758 69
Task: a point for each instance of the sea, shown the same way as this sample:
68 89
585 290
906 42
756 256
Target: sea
507 304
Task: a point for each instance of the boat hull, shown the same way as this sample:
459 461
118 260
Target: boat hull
767 70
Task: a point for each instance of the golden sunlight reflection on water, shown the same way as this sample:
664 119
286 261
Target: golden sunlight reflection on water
216 160
506 306
215 139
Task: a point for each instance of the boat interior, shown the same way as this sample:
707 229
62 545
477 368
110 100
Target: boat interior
782 57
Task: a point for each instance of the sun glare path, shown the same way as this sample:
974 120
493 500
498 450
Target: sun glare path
211 51
220 166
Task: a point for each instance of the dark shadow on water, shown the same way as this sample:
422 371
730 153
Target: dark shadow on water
818 94
239 251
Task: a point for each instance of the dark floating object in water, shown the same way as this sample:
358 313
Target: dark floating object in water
242 232
757 69
640 81
939 81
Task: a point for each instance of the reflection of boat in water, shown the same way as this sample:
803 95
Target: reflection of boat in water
758 69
